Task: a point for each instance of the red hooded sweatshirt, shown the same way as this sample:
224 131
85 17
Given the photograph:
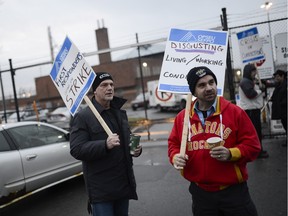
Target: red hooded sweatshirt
239 136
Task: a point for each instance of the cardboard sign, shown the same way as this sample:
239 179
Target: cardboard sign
281 44
186 49
250 46
72 75
266 69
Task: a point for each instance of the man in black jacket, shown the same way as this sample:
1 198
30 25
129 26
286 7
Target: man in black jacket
279 98
107 161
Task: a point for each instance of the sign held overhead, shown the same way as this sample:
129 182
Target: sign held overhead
72 75
186 49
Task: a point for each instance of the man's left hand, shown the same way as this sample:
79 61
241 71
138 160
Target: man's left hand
137 151
220 153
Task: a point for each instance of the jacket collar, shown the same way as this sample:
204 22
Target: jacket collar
217 110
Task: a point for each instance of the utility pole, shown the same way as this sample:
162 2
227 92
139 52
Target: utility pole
142 84
229 69
3 99
14 89
51 44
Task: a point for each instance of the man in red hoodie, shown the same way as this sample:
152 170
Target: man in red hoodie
218 176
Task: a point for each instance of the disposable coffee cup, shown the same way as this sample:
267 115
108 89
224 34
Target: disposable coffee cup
214 142
134 142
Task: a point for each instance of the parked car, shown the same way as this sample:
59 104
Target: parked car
6 114
33 155
28 115
60 117
139 101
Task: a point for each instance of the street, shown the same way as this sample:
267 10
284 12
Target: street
161 189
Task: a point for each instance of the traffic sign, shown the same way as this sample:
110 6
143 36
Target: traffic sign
163 96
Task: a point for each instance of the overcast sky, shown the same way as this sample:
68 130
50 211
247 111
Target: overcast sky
24 24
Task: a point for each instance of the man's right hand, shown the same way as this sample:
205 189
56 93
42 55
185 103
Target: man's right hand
112 141
179 161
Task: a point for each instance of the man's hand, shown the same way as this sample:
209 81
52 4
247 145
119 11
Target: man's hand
137 151
112 141
179 161
220 153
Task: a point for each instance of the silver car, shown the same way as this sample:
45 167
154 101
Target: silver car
60 117
33 155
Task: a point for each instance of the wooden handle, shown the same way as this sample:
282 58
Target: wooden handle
185 125
258 76
98 116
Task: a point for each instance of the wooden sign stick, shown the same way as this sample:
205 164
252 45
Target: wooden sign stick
185 126
98 116
258 76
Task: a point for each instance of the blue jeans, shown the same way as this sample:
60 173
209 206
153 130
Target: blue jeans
112 208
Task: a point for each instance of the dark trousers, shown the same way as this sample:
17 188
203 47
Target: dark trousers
112 208
232 201
255 117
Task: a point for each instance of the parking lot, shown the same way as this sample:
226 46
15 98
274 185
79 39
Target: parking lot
161 190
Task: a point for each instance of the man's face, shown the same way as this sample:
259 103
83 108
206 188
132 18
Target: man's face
105 91
253 74
206 89
278 78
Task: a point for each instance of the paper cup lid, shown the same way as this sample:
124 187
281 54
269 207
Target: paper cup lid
214 140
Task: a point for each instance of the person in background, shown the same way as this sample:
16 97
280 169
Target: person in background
107 162
251 100
217 176
279 98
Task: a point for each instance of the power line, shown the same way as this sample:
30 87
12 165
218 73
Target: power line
163 32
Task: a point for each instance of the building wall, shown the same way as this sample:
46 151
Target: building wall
22 103
125 74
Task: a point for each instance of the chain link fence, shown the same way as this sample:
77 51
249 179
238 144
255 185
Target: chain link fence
268 30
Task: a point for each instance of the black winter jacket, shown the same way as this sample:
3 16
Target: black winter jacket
279 101
108 174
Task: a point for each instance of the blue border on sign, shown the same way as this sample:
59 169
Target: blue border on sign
198 36
247 33
180 89
254 59
60 58
173 88
80 97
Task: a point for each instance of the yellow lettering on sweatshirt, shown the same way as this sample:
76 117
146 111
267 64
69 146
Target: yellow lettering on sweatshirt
198 145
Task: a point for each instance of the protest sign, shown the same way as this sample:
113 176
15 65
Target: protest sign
73 77
266 66
281 44
250 46
186 49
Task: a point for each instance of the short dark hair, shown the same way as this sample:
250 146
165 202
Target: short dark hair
280 73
